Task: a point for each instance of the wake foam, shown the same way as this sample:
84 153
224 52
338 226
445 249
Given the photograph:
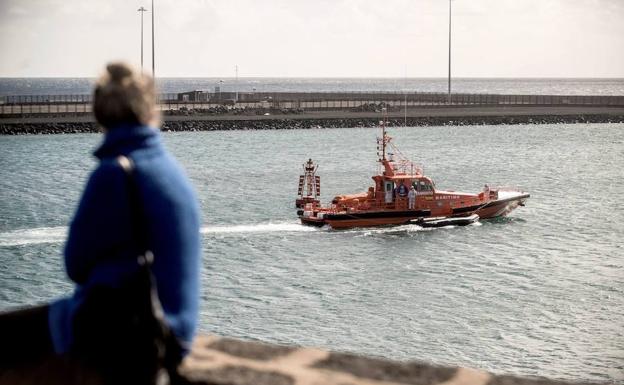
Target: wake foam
33 236
399 229
59 234
257 228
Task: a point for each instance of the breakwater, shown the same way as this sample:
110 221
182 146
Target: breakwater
69 125
262 102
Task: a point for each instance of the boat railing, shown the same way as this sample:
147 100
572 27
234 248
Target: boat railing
402 163
507 188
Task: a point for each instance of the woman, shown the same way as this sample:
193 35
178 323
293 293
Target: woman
103 245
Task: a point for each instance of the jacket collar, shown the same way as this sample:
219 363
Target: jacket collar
125 138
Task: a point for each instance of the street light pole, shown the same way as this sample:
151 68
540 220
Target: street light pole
142 10
236 82
449 55
153 55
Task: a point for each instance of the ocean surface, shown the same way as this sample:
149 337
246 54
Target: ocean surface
526 86
540 292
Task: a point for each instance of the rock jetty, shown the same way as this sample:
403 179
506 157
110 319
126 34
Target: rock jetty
56 125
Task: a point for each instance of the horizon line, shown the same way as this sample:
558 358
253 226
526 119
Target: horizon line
341 77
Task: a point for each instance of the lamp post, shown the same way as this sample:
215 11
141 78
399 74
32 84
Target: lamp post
142 10
449 56
153 55
236 83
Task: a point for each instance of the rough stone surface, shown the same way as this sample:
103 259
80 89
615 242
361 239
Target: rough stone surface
21 125
383 370
252 350
511 380
222 361
238 375
217 360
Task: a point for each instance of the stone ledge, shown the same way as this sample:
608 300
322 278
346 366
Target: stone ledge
224 361
216 360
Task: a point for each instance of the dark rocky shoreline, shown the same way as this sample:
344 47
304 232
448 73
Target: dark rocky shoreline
284 123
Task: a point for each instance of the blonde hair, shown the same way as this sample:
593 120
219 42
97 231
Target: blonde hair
124 96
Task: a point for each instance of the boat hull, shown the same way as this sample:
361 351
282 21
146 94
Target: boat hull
365 219
344 220
447 221
501 207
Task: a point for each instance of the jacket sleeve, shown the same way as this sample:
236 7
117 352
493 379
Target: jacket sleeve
174 220
100 224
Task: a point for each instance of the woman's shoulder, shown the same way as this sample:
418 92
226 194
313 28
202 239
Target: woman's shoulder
161 174
108 166
155 160
108 170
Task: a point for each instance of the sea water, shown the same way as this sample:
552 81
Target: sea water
524 86
540 292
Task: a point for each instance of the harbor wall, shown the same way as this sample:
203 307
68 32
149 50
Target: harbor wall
305 101
276 120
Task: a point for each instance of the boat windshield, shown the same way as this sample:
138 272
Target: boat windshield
422 185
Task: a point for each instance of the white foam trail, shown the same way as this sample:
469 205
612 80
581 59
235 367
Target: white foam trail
257 228
33 236
59 234
390 230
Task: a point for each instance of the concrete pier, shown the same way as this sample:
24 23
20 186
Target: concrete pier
302 101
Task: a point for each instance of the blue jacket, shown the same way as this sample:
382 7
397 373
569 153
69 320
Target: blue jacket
102 230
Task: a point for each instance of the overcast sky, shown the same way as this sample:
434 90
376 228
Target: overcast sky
316 38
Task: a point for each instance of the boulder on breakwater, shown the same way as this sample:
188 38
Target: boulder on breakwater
15 127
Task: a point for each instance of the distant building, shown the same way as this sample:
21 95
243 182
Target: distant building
193 96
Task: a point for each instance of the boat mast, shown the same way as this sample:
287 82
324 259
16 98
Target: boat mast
311 180
309 185
383 141
383 138
383 133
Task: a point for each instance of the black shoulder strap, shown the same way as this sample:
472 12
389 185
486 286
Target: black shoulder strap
136 210
172 346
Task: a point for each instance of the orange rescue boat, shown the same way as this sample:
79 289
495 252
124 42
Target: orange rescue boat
402 194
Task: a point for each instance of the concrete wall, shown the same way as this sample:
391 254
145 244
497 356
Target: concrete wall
222 361
310 101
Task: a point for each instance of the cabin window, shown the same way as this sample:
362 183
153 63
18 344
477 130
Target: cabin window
422 186
389 191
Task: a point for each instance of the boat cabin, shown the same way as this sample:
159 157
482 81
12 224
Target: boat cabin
388 189
388 193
